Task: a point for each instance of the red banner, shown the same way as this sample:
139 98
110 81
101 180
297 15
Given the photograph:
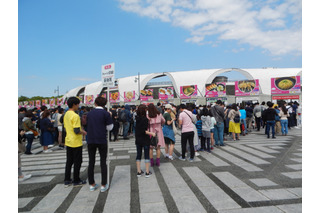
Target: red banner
282 97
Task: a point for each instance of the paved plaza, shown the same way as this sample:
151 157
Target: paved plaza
254 174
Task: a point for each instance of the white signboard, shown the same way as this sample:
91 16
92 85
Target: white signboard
107 75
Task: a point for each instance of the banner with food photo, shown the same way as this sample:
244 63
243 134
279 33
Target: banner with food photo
89 99
286 85
26 103
247 87
38 103
166 93
188 91
146 95
114 97
60 101
217 89
52 102
129 96
31 103
81 97
44 102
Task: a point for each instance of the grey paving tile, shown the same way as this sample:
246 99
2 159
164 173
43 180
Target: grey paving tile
41 179
262 182
246 156
295 166
289 208
23 202
278 194
267 209
214 160
293 175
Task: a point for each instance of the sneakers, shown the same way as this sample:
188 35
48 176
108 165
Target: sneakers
50 146
148 174
196 154
183 159
92 188
191 160
171 158
47 151
140 173
25 177
79 183
67 183
104 188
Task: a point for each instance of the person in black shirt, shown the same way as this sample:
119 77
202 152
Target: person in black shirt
269 116
115 130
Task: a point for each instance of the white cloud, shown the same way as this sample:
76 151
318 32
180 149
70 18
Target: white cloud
275 27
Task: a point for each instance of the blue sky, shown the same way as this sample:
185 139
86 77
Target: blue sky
64 43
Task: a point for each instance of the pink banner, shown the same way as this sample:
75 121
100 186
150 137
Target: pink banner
89 99
217 89
286 85
38 103
247 88
31 103
44 102
52 102
166 93
187 92
114 97
146 95
129 96
60 101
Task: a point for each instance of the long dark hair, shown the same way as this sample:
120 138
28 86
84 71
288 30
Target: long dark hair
142 110
152 110
234 106
284 109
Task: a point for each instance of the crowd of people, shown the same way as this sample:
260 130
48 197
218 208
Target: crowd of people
201 128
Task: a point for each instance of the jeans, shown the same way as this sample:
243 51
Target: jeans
284 126
146 150
270 124
29 144
187 137
218 133
126 126
103 150
74 157
258 122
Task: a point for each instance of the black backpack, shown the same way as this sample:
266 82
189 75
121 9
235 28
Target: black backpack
236 118
123 117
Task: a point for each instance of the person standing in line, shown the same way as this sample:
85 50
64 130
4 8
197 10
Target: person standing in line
218 113
120 111
28 125
201 139
284 120
21 149
46 128
206 124
168 133
213 122
299 115
126 122
115 121
234 126
278 123
60 128
257 112
249 118
142 136
187 132
159 108
73 142
156 120
99 121
243 119
270 119
21 115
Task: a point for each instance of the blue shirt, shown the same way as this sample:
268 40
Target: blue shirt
243 114
97 121
199 127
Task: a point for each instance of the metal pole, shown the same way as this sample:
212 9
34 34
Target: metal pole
139 86
108 143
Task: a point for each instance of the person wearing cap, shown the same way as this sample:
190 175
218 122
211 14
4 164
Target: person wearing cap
167 129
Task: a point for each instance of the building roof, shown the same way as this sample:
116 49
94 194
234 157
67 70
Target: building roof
194 77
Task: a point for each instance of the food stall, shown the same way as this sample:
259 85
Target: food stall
286 89
247 91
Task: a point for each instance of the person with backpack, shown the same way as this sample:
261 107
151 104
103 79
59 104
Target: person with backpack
206 124
234 123
269 117
278 124
243 118
125 117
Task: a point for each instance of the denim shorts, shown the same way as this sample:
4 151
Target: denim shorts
212 130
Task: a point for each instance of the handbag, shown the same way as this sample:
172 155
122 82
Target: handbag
154 140
35 133
174 128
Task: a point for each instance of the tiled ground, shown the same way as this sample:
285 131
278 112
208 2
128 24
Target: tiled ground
254 174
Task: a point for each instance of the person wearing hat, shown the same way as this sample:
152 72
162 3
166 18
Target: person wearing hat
168 132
